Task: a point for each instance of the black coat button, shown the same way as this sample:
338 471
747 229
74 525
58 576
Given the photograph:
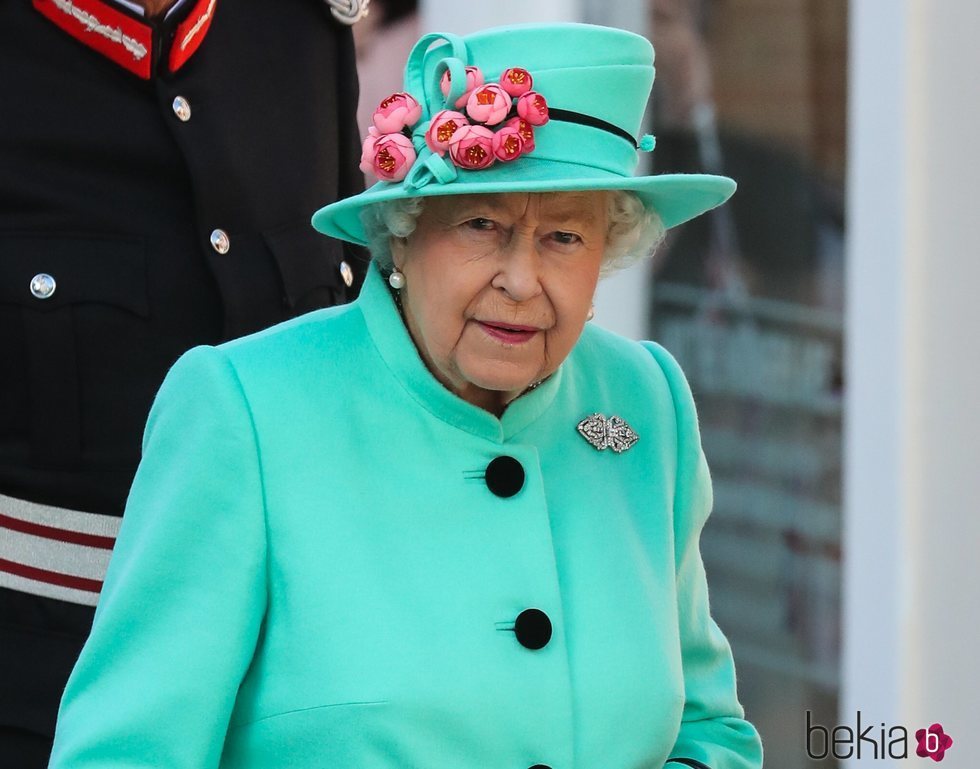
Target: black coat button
505 476
540 766
533 628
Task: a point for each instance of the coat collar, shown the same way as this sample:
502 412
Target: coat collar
396 347
143 47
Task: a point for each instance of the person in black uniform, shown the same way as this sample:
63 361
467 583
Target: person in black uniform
159 164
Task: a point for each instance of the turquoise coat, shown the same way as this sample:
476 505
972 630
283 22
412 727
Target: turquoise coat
313 572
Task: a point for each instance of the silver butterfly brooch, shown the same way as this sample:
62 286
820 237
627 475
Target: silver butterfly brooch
613 433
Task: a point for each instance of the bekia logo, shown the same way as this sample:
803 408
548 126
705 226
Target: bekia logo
933 742
844 741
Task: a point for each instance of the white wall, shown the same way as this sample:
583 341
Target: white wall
912 621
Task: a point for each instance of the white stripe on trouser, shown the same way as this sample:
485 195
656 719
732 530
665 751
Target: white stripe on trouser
34 558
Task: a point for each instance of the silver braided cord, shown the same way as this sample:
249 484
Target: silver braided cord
348 12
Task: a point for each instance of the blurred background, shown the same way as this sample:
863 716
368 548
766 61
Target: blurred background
827 321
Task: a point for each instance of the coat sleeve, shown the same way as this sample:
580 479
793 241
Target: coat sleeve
185 593
713 733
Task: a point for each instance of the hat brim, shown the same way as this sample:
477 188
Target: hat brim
676 198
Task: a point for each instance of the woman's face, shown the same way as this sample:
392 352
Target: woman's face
498 287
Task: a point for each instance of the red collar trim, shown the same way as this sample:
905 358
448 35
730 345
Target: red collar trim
190 33
129 41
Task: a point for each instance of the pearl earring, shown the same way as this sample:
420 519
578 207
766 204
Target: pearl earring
591 313
396 280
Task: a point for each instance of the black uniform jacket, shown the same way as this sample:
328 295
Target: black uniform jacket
168 213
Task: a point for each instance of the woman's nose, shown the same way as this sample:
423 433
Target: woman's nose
518 274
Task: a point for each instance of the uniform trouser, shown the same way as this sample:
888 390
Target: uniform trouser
52 562
20 749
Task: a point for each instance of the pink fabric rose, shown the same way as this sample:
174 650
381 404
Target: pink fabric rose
533 108
474 79
441 129
367 150
396 112
516 81
508 143
387 156
526 132
471 147
488 104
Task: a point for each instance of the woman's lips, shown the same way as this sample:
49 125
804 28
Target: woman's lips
508 333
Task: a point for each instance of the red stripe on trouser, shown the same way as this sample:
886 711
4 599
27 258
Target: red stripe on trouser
51 577
53 532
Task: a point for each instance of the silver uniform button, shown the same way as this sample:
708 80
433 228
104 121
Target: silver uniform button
347 274
182 109
43 286
220 241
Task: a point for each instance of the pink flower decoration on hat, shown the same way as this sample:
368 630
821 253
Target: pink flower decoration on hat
387 156
474 78
471 147
516 81
367 150
488 104
464 133
526 131
396 112
508 143
533 108
444 124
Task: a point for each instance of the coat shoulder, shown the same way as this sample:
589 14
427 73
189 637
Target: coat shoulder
310 353
326 340
616 358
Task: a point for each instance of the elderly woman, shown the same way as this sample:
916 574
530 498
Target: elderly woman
448 525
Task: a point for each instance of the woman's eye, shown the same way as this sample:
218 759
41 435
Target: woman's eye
480 224
566 238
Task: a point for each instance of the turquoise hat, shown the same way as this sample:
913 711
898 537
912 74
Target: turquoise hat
596 82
